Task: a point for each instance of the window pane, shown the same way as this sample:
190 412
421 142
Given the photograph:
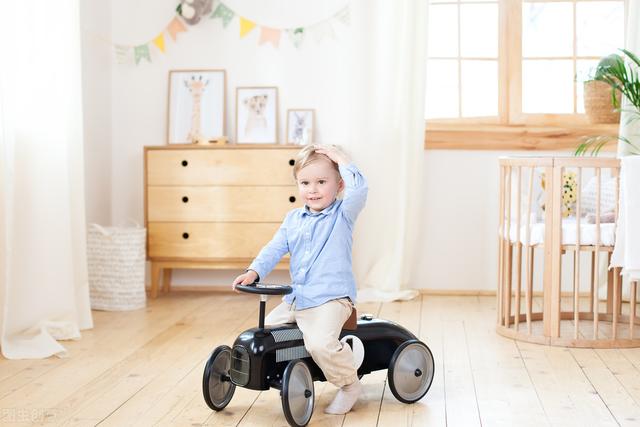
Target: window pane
547 29
584 71
547 86
600 27
479 88
479 30
443 31
442 89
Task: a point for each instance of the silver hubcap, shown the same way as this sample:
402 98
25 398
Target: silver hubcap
300 393
412 372
219 389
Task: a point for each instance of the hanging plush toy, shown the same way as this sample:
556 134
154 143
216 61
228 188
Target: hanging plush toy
193 10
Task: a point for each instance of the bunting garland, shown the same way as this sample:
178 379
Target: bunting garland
267 35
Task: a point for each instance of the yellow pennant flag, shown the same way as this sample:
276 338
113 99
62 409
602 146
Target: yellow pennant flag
246 26
159 42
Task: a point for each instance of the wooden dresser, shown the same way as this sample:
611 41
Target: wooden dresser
214 207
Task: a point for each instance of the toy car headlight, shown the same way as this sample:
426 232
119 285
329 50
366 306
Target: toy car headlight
239 365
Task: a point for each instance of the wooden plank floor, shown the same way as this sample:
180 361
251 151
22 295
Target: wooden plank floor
145 368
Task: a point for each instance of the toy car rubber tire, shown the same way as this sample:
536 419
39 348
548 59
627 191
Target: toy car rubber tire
410 371
298 396
217 387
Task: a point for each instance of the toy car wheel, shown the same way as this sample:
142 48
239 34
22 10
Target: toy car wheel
410 371
298 395
217 387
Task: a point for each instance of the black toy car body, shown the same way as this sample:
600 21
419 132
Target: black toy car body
275 357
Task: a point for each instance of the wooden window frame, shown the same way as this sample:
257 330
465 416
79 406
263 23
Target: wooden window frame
513 129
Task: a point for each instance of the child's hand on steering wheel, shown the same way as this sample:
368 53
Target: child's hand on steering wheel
245 279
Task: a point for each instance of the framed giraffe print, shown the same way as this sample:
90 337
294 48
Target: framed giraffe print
196 110
257 115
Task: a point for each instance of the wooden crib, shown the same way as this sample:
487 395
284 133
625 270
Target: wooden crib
555 241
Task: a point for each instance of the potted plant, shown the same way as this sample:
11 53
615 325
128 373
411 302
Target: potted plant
623 79
598 96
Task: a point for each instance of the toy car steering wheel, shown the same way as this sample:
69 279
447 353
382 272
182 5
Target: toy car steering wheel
265 289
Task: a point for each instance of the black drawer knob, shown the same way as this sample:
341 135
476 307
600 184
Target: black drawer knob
185 163
292 162
185 235
185 199
292 199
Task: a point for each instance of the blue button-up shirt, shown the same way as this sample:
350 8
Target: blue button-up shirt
320 246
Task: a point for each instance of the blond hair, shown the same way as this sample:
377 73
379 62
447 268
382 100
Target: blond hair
308 155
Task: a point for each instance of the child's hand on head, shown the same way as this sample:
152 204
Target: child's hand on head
245 279
334 153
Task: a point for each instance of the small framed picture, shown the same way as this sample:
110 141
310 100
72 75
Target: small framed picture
196 112
300 126
257 115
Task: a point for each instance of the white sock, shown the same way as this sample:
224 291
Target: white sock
345 399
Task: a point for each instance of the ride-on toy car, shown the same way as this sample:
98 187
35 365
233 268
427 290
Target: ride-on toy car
262 358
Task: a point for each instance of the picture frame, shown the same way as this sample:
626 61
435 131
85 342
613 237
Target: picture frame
300 126
257 115
196 111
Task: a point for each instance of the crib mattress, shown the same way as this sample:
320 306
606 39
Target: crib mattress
587 233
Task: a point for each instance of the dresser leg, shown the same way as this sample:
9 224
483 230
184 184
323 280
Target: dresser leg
166 279
155 278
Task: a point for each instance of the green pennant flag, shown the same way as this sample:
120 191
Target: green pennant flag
296 36
224 13
140 52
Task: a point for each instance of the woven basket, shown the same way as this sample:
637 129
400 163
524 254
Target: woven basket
116 263
597 103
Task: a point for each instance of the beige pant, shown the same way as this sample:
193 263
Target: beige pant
320 327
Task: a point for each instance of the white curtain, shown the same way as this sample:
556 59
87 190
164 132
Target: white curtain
43 279
387 141
631 130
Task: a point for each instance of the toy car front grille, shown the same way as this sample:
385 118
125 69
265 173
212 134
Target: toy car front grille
239 365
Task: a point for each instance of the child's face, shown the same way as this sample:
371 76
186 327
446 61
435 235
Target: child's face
319 184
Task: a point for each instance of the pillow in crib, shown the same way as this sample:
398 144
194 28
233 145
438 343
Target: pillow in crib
607 195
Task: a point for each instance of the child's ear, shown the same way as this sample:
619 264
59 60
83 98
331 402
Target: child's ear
341 185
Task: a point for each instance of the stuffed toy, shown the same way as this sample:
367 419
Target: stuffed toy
193 10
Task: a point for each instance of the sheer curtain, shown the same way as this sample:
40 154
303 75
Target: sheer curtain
387 140
632 43
43 279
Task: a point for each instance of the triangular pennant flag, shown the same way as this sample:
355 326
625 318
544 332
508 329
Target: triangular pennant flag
224 13
270 35
140 52
296 36
246 26
159 42
122 53
176 26
322 30
344 16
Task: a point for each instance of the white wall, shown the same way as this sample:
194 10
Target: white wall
460 187
95 19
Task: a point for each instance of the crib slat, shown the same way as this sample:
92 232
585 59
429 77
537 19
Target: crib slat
597 257
632 308
616 301
576 260
527 242
501 238
508 254
518 251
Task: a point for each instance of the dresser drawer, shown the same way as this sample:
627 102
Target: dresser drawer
208 240
221 167
224 204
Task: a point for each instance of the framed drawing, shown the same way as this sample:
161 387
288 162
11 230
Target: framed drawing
257 115
300 125
196 110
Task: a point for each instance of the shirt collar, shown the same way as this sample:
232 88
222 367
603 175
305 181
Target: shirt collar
326 211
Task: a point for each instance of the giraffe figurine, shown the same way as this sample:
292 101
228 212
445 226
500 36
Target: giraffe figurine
197 88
